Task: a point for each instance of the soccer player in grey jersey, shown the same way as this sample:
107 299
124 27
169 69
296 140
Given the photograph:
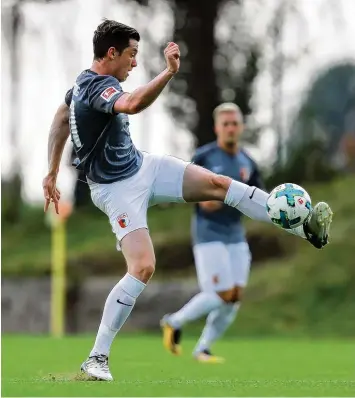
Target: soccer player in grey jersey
124 182
221 252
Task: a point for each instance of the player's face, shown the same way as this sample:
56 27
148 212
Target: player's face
228 127
126 61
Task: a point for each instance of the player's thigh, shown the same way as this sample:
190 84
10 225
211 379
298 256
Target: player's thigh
124 202
137 248
168 181
240 259
213 266
201 184
126 212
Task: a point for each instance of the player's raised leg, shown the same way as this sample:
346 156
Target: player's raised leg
138 251
202 185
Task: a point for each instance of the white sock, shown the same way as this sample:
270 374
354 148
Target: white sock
249 200
118 306
200 305
217 323
252 202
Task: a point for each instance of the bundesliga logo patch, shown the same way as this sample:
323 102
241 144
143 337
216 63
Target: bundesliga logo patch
109 93
123 220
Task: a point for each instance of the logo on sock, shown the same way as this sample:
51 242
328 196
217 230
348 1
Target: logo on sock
123 220
252 194
120 302
215 279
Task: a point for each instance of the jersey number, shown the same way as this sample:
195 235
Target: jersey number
73 126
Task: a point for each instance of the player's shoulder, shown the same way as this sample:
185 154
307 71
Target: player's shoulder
246 155
91 86
206 149
88 78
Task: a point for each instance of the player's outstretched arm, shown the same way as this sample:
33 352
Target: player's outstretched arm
58 136
144 96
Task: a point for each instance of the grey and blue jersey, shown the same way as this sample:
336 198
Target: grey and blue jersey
223 225
101 137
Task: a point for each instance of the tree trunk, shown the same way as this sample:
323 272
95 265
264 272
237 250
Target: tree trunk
196 30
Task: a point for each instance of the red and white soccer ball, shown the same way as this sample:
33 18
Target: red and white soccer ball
289 205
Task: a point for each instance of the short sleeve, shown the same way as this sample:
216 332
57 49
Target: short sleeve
103 92
198 158
255 179
68 97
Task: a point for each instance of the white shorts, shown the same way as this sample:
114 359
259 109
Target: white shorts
222 266
159 180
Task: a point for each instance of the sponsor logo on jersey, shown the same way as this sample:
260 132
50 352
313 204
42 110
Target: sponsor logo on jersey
108 93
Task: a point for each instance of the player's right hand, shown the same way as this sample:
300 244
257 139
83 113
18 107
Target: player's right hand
172 57
50 192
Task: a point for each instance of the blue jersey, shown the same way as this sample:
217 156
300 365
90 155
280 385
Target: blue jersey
223 225
101 138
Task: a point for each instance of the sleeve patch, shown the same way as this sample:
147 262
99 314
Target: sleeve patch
108 93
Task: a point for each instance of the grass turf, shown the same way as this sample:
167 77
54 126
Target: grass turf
42 366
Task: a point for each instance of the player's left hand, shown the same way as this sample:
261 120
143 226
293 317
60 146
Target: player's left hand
172 57
50 192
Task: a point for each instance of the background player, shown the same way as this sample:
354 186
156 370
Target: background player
124 182
221 252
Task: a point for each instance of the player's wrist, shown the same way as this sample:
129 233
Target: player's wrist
53 172
170 72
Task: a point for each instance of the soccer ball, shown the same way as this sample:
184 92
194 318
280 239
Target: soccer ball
288 206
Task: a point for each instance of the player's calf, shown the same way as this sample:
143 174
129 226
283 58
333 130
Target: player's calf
139 254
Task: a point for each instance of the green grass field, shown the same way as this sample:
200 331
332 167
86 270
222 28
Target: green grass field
41 366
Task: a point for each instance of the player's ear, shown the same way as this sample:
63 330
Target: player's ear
215 129
111 53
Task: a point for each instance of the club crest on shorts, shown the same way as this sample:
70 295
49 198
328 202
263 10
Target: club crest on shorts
123 220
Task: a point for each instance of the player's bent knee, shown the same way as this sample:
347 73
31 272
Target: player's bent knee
142 269
218 186
227 295
220 181
237 294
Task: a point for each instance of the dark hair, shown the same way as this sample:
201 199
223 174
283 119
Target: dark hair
112 34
